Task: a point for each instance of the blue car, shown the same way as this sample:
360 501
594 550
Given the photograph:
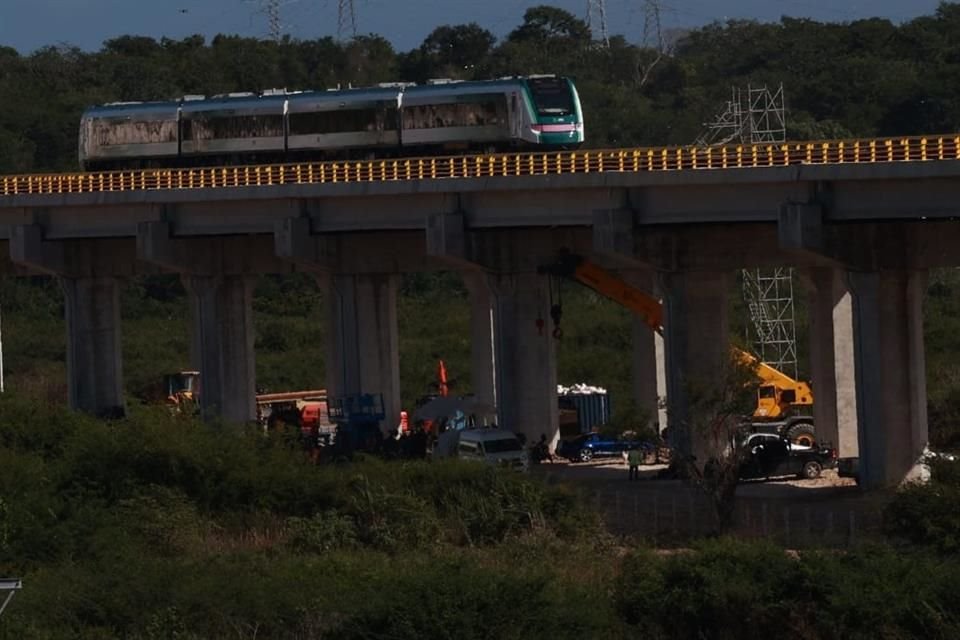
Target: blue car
588 446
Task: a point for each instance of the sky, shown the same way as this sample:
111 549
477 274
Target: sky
27 25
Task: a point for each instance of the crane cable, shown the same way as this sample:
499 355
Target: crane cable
556 309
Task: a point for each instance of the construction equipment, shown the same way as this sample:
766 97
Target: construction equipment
783 404
358 419
442 387
304 409
10 586
304 412
182 391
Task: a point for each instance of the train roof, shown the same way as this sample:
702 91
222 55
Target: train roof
121 109
370 95
473 86
272 100
245 103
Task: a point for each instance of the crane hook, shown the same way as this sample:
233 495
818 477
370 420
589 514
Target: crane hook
556 312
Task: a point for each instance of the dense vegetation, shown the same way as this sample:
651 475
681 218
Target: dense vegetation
157 527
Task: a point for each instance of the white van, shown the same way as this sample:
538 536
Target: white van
491 446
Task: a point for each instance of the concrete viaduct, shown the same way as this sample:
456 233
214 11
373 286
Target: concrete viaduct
862 234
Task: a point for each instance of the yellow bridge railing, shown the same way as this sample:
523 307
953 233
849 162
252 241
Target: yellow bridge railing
911 149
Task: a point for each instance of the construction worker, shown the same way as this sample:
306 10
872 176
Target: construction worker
634 458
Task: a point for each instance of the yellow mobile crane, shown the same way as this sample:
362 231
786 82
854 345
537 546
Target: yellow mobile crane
783 404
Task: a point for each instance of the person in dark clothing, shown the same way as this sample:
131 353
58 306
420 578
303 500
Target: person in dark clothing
634 458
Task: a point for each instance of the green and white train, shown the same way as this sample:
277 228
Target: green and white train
440 117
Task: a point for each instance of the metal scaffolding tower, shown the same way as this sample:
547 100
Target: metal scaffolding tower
756 116
598 8
769 297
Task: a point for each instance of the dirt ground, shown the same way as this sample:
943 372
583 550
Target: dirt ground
830 510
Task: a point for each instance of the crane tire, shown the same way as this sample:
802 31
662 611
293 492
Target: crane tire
803 434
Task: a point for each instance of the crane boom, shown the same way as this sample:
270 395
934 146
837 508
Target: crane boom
778 392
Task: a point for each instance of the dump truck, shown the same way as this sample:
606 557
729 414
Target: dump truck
784 405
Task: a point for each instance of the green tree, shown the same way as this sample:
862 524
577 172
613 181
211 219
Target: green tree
711 425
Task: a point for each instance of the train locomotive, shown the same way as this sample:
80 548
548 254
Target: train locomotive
389 120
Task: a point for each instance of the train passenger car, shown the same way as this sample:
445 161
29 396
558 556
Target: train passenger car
389 120
493 115
460 114
334 120
123 133
235 126
557 119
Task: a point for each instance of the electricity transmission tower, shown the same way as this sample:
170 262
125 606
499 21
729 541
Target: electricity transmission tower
272 9
758 116
346 12
598 8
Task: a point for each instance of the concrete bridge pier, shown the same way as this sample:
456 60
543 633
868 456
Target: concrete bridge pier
885 266
222 345
90 274
525 356
510 308
359 275
94 360
363 344
832 358
648 369
483 361
219 275
890 374
697 353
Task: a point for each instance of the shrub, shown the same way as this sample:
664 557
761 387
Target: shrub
726 589
392 519
164 519
321 532
449 598
928 514
880 592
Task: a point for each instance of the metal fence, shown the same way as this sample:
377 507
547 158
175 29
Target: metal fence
637 160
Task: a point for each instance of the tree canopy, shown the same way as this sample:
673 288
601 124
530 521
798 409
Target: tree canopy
866 77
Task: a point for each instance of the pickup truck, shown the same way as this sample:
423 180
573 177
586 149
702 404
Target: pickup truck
588 446
769 455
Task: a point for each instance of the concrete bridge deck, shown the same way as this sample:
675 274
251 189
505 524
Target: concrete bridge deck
863 218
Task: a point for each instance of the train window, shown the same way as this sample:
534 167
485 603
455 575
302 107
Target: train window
345 120
461 114
122 132
204 127
552 96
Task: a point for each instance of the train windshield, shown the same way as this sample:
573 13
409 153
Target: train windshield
551 96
